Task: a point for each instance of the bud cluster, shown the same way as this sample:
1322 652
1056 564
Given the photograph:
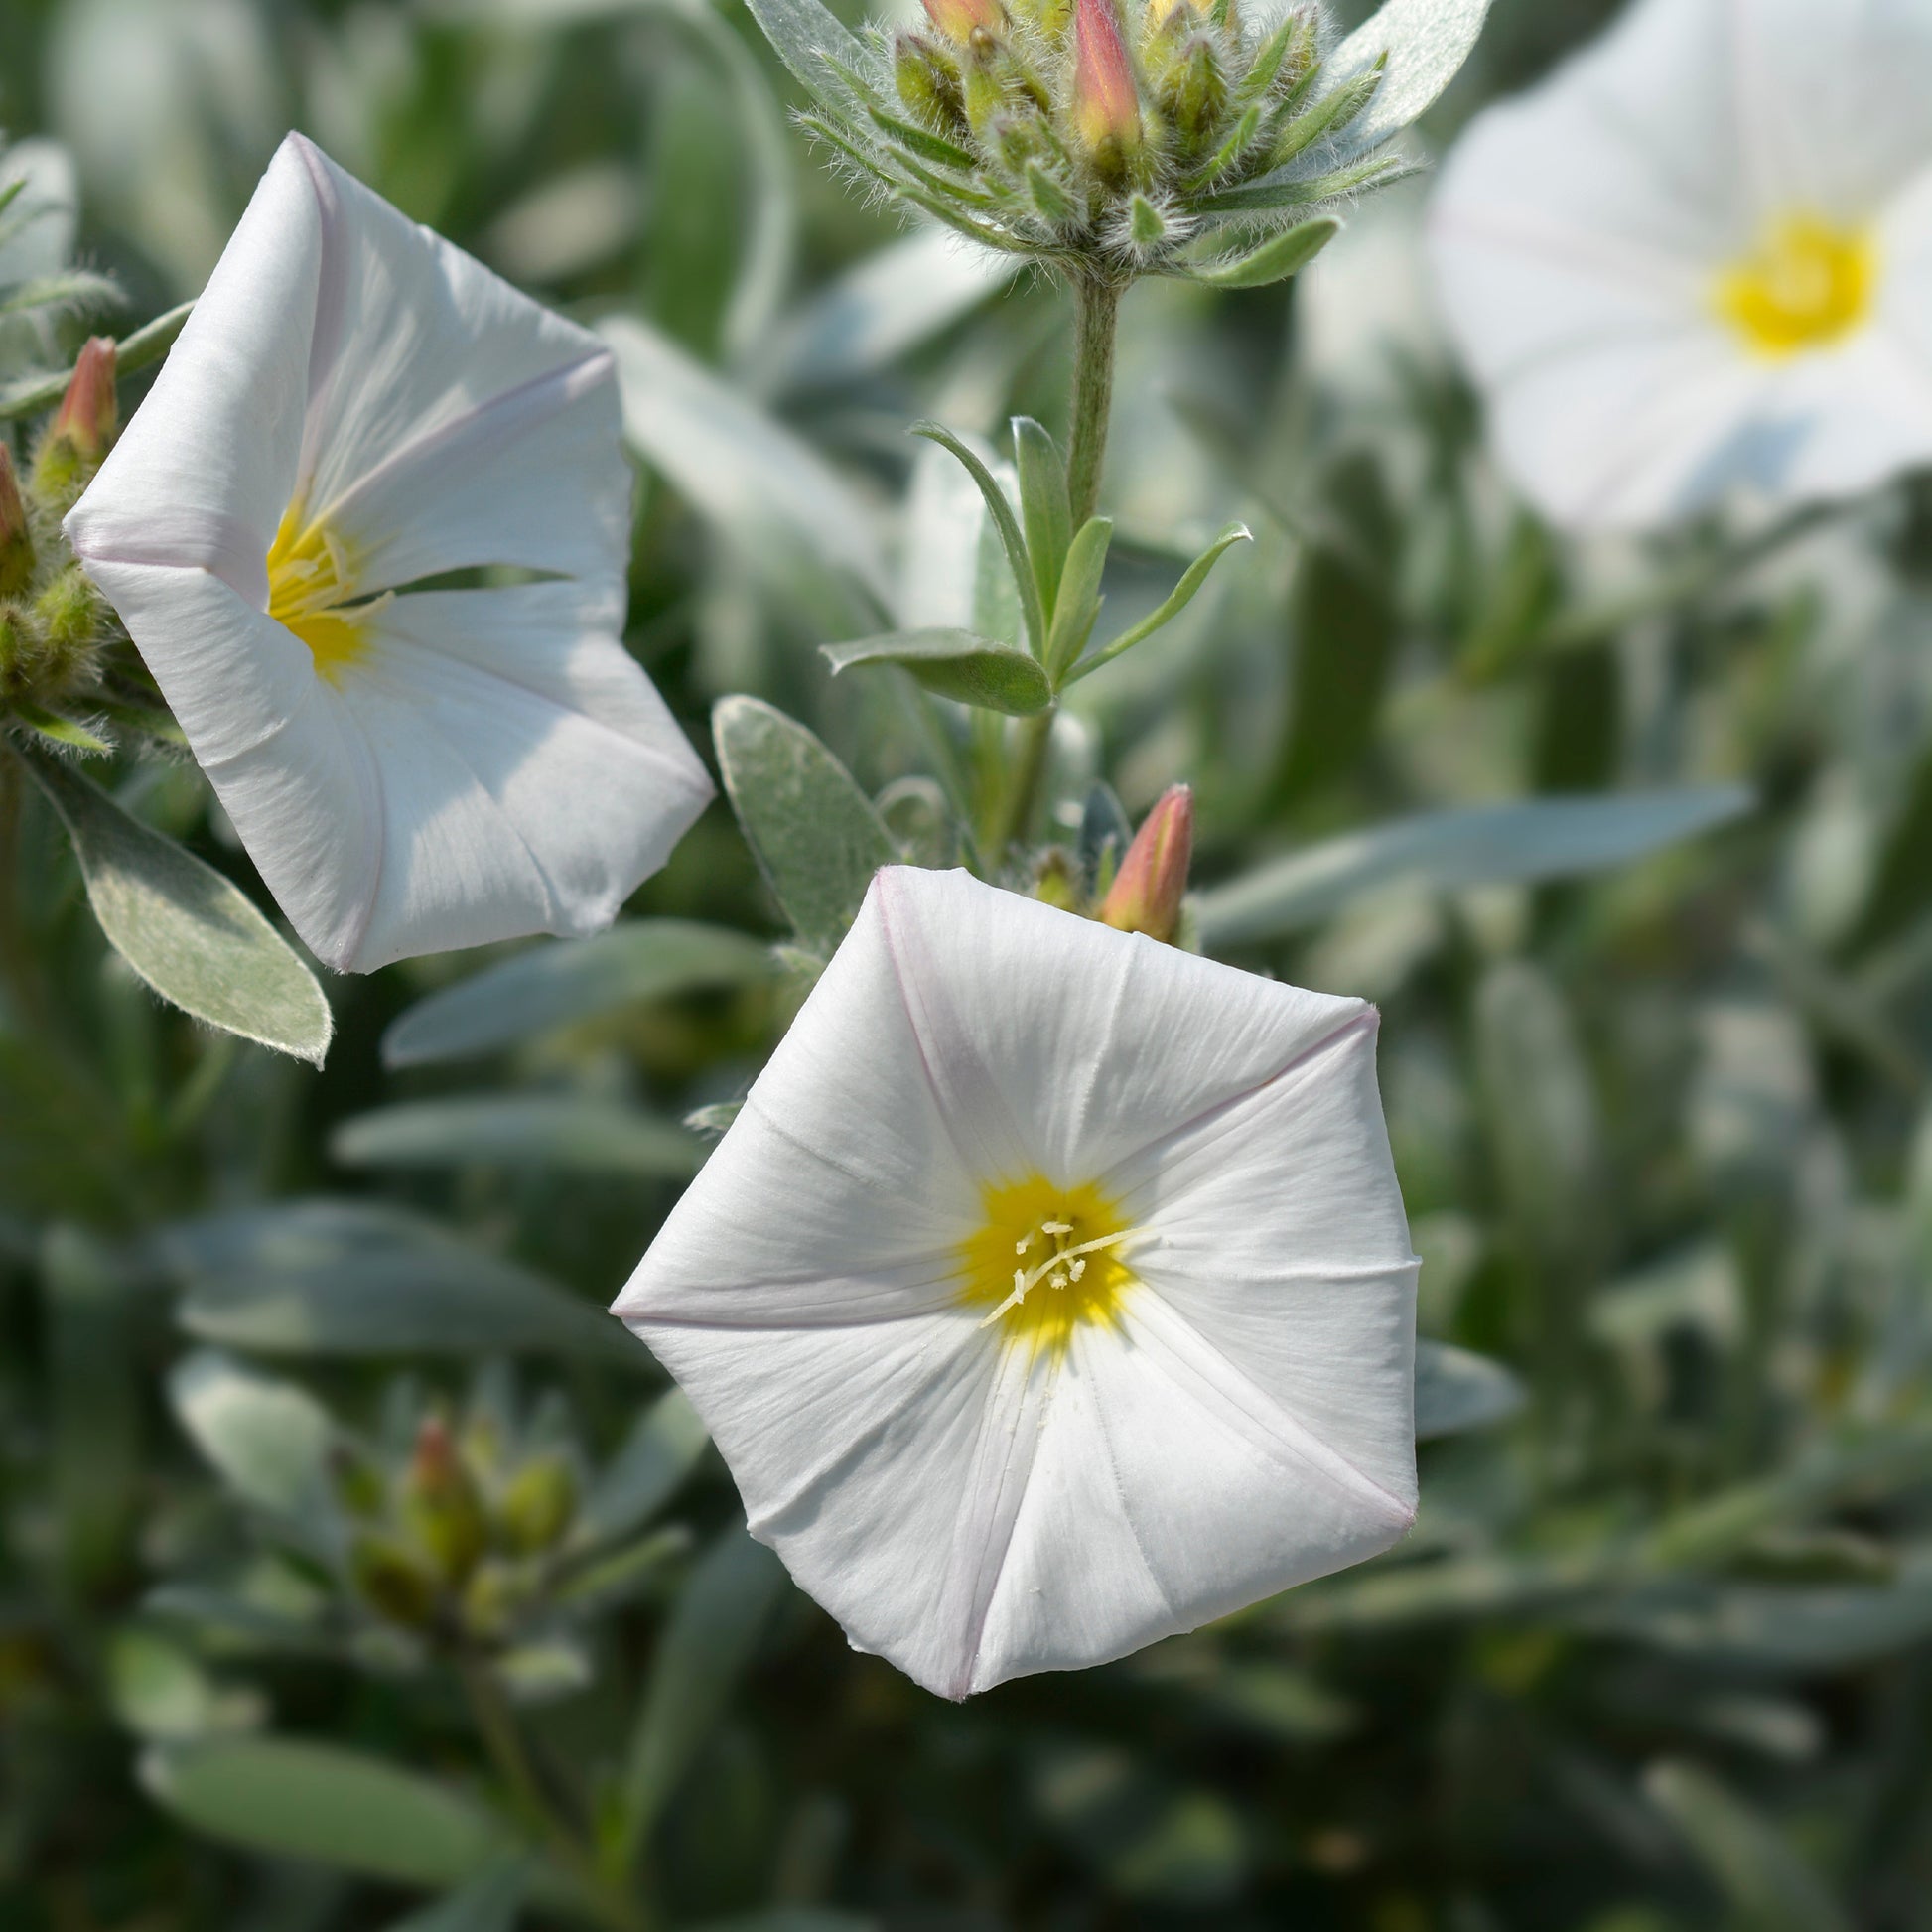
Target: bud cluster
51 618
461 1541
1110 137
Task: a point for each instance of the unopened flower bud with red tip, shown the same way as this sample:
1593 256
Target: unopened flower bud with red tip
957 19
89 412
441 1504
1106 99
82 429
1151 881
16 539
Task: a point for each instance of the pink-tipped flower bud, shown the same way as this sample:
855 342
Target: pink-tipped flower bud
957 19
1147 889
1106 100
16 539
89 412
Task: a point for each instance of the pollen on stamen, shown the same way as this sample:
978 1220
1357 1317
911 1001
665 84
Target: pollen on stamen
1081 1238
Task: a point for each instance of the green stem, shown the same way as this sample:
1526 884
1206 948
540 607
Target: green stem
611 1905
1097 312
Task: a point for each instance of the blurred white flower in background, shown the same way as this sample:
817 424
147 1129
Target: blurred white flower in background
1053 1292
354 408
1699 259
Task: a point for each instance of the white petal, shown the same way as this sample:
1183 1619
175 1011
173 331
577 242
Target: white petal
840 1191
276 742
1058 1045
1169 1488
452 421
202 473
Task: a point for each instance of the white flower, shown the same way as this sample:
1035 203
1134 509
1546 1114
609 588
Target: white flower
1699 258
356 407
1053 1292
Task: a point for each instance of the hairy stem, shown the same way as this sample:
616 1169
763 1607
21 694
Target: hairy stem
1096 311
496 1723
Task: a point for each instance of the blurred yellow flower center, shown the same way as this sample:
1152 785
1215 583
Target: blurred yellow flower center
310 585
1047 1259
1807 285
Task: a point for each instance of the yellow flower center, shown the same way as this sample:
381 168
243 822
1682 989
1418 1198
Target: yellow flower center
1807 285
311 581
1045 1260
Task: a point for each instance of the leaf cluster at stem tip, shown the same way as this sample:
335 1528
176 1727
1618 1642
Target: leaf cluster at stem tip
1057 570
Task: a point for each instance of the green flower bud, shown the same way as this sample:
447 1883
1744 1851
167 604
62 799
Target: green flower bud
69 610
538 1506
440 1505
1193 92
928 78
391 1580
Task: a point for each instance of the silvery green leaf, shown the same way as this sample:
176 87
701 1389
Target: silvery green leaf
568 981
267 1438
1044 505
803 33
1176 600
28 394
559 1134
661 1449
815 836
348 1277
1796 1628
1457 1391
1000 509
890 302
955 664
720 1614
1480 844
296 1800
1076 605
489 1903
1424 44
1748 1860
768 492
1283 255
183 927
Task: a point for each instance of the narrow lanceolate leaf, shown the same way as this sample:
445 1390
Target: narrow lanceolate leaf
344 1278
1457 1391
1288 253
569 982
774 496
955 664
1178 600
815 836
1748 1860
1078 602
559 1134
1008 525
489 1903
334 1807
1294 187
661 1449
62 730
1423 43
75 291
803 33
1043 503
708 1641
1483 845
42 389
183 927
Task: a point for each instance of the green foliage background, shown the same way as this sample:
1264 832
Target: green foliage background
1659 1652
